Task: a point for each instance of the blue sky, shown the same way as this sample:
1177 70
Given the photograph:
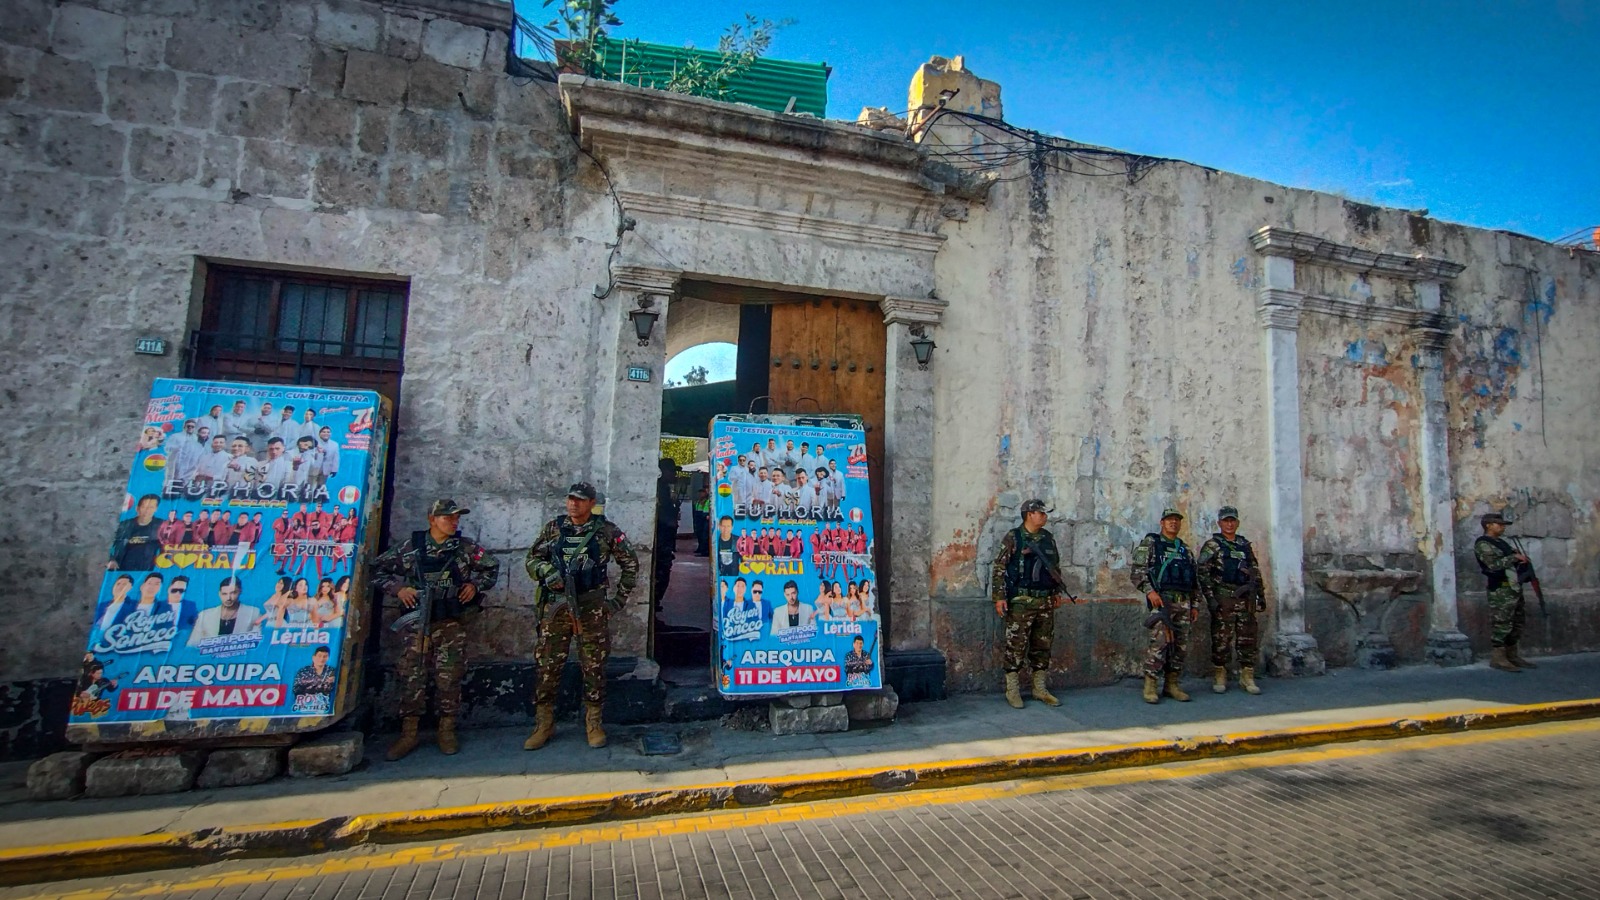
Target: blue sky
1485 112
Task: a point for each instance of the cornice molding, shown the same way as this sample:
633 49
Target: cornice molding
912 311
647 279
778 220
1302 247
1278 317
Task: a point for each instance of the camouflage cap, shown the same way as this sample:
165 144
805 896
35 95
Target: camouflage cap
1227 512
1171 511
1035 506
446 508
582 490
1495 519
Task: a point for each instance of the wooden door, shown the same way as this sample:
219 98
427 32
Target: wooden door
827 356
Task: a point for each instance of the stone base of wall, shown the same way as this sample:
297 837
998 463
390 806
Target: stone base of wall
33 717
916 675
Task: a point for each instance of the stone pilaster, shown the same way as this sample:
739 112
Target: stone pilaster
908 472
628 429
1292 651
1447 646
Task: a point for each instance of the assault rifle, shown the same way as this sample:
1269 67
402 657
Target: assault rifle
1527 575
1160 617
422 616
1054 570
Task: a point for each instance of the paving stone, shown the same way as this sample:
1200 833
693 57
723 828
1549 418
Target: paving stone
240 766
815 720
59 776
331 754
872 706
136 772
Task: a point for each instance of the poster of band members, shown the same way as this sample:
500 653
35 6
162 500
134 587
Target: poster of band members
230 595
796 605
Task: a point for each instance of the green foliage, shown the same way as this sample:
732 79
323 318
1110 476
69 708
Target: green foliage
583 22
680 450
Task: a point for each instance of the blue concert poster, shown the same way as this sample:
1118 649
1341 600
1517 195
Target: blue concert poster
795 594
231 596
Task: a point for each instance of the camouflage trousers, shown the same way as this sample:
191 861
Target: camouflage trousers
1507 612
446 650
557 624
1030 629
1156 660
1235 629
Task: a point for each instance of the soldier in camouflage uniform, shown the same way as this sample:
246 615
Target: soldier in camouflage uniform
1025 582
1163 570
568 561
1230 582
1503 566
438 575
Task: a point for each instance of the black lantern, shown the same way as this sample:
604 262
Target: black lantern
922 346
644 321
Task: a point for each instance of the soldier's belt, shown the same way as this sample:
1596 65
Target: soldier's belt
1031 592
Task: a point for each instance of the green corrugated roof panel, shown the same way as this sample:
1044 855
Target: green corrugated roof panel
768 84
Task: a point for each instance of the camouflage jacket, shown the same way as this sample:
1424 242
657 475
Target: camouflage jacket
396 567
1043 543
613 546
1496 559
1139 567
1213 559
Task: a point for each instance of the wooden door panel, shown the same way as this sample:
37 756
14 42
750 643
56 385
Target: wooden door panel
840 348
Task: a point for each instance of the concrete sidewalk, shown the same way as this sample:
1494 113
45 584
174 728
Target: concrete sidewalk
493 783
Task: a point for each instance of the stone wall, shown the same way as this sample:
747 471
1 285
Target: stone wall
1125 311
139 140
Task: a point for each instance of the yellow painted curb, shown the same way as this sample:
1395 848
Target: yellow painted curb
114 856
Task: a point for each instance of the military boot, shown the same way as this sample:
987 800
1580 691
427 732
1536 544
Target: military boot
1516 658
406 742
448 745
1247 680
1499 660
544 727
595 732
1151 694
1219 679
1042 693
1174 690
1014 690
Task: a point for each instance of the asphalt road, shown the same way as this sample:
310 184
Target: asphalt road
1504 813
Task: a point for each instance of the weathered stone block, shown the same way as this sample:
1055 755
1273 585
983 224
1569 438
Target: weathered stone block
86 33
373 78
218 48
372 132
161 156
331 754
494 55
141 96
420 188
81 146
67 84
219 161
402 36
830 698
327 68
347 27
477 98
814 720
322 121
136 772
347 181
252 110
146 40
274 169
434 86
197 102
1090 541
423 135
48 200
798 701
59 776
872 706
453 43
238 767
26 23
254 13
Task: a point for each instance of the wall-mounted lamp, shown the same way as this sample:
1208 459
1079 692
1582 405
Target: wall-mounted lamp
644 320
922 345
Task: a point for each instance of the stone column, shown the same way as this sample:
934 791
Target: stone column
908 473
1293 651
627 426
1447 646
